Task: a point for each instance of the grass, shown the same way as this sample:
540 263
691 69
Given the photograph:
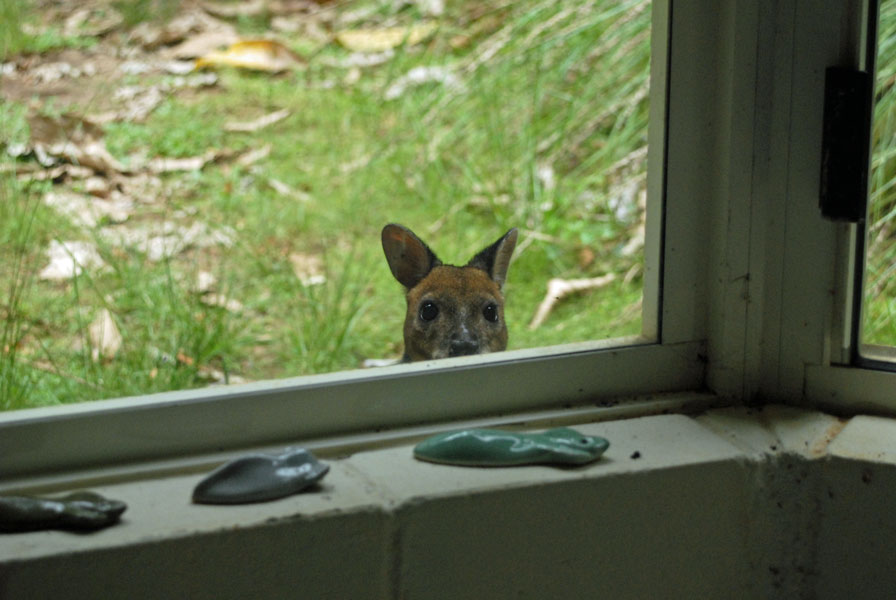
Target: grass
16 37
544 133
16 208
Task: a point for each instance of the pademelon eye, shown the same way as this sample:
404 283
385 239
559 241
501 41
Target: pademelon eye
490 312
429 310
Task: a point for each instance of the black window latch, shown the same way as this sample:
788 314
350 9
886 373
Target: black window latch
845 145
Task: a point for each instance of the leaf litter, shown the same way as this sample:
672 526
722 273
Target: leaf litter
160 60
189 34
89 211
105 196
165 240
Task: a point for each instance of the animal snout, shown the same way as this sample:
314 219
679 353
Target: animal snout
463 347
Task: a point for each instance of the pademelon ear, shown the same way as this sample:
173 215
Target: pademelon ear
410 260
495 260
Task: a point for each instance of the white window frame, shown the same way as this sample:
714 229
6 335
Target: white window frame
784 277
740 271
816 311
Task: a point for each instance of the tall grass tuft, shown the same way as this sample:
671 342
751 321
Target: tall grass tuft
321 330
17 213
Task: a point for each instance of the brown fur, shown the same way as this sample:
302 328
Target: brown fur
461 293
469 304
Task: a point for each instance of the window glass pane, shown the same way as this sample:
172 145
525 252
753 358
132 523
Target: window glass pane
164 227
879 309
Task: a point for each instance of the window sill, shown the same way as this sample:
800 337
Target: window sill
724 494
851 389
171 425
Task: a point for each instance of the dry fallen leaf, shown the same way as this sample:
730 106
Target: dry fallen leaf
146 187
205 282
358 59
164 164
257 55
184 359
92 22
155 246
434 8
97 186
352 76
207 33
91 154
139 101
202 44
218 377
88 211
635 243
380 40
62 128
241 9
308 268
259 123
356 164
167 239
73 138
80 141
419 76
68 259
33 172
177 67
56 71
587 257
286 190
372 363
546 177
105 339
250 157
221 301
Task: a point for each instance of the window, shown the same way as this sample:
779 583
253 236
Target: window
530 114
753 303
583 374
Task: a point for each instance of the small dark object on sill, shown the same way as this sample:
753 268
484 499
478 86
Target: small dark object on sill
260 477
636 455
80 511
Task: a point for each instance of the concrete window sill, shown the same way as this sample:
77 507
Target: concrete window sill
732 503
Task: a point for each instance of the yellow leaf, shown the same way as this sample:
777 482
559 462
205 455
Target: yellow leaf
380 40
258 55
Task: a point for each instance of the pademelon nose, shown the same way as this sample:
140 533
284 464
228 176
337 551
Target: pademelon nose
463 347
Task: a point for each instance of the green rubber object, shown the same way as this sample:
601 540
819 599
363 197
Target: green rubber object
496 448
